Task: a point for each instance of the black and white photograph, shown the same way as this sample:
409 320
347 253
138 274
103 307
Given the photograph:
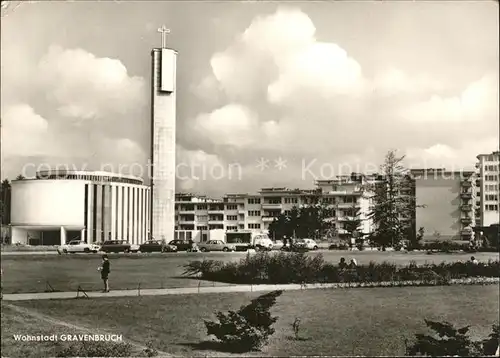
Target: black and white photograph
249 178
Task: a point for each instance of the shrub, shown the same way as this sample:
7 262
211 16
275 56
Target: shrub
247 329
95 349
447 340
284 267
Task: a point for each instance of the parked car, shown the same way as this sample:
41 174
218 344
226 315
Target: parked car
308 244
182 245
263 244
75 246
119 246
278 245
157 246
216 245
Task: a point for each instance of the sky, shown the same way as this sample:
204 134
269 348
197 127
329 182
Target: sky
268 94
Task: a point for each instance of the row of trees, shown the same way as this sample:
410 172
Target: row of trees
5 195
392 206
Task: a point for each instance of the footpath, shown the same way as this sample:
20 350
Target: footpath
235 288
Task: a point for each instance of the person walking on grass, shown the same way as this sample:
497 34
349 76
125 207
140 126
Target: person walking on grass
105 270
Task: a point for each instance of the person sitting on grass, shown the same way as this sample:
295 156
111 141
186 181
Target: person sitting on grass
105 270
473 260
353 264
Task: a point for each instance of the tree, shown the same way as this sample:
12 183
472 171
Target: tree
393 202
278 228
353 220
20 177
5 202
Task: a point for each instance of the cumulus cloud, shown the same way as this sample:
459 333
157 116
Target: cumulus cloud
83 86
283 91
477 103
451 157
82 109
24 132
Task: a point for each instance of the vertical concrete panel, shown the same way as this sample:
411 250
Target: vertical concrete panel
119 213
163 146
113 211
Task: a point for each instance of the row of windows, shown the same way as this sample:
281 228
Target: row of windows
491 168
254 201
99 178
254 226
254 213
491 187
491 177
491 207
492 197
232 217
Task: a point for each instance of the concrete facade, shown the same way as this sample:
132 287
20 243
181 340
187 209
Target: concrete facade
163 113
255 212
488 189
92 206
447 197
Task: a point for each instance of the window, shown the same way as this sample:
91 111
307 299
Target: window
254 201
254 213
232 207
254 226
274 201
492 197
291 200
232 228
491 207
232 217
201 207
204 228
202 217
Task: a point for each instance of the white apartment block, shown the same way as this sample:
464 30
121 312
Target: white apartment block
255 212
488 189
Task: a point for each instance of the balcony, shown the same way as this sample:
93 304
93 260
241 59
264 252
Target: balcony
186 211
242 211
271 206
466 221
348 205
466 183
466 195
466 207
466 233
216 211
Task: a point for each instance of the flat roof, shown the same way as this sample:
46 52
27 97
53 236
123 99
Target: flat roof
44 173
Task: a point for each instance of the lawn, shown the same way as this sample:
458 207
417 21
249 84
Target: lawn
368 322
34 273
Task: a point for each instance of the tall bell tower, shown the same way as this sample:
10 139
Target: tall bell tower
163 118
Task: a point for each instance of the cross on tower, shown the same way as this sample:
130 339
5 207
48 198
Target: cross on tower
164 32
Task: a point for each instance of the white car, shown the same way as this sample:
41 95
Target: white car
263 244
216 245
308 244
75 246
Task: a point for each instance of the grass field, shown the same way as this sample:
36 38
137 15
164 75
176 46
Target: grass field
24 273
334 322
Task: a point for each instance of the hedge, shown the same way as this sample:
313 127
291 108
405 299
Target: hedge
298 268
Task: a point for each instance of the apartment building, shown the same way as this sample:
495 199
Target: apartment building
255 212
448 203
488 189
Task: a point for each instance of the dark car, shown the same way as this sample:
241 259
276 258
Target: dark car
157 246
118 246
182 245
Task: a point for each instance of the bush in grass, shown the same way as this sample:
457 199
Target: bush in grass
247 329
446 340
95 349
286 267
